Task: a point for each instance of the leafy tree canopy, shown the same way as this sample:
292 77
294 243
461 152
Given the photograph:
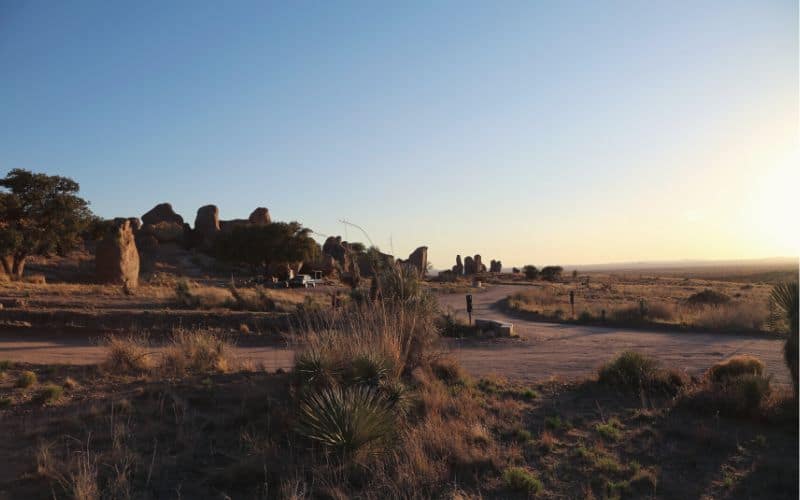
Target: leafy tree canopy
275 243
40 214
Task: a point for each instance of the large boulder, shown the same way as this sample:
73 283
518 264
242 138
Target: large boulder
162 212
458 269
495 266
164 232
469 265
480 267
116 257
419 260
206 223
260 217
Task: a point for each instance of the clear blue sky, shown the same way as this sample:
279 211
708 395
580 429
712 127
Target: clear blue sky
534 132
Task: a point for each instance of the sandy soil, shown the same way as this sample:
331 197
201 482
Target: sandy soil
548 350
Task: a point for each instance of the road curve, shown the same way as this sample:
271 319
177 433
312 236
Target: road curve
547 350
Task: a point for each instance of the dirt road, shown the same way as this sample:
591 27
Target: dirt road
564 351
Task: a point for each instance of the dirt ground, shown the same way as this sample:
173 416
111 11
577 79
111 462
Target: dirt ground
568 352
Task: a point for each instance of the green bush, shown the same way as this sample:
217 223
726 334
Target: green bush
520 479
346 420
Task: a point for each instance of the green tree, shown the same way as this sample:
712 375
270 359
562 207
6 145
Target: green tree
531 272
552 273
263 246
39 215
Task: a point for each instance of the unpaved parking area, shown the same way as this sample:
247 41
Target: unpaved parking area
548 350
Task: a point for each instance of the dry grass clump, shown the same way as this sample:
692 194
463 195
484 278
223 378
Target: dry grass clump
190 294
26 379
196 351
128 354
735 366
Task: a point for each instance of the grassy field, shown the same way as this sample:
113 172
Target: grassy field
732 304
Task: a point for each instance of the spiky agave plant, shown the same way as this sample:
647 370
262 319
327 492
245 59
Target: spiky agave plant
784 298
346 419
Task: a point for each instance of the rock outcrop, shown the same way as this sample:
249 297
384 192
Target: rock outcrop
480 267
227 226
116 257
458 269
162 212
495 266
206 223
260 217
419 260
469 265
334 247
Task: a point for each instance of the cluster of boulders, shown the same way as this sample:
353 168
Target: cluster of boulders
474 265
341 257
117 257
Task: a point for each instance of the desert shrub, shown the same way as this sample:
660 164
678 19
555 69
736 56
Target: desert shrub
740 396
531 272
191 295
735 367
660 311
632 371
26 379
346 419
50 393
5 365
609 430
707 297
449 371
551 273
127 354
196 351
520 479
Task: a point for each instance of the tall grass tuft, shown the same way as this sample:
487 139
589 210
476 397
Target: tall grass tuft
196 351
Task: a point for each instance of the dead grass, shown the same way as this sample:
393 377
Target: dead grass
735 366
128 354
196 352
713 305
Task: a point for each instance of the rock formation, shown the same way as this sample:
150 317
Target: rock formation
116 257
334 247
458 269
418 259
480 267
469 265
206 223
260 217
495 266
162 212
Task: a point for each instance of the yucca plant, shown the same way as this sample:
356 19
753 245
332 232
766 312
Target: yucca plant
315 368
346 419
784 300
368 369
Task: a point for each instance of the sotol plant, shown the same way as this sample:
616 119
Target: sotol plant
784 301
346 420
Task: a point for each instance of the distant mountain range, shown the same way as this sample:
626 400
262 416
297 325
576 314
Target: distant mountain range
783 262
